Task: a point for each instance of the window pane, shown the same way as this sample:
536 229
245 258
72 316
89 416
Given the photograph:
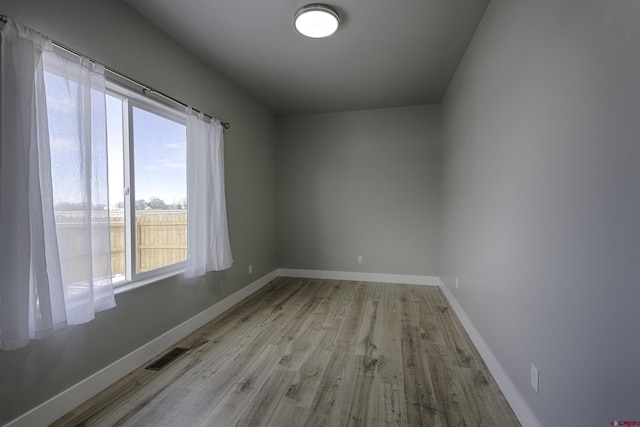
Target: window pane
115 144
160 163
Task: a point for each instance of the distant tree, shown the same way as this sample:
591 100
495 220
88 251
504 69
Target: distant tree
157 203
120 205
140 204
67 206
64 206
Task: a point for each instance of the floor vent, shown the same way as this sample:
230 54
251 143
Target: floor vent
166 359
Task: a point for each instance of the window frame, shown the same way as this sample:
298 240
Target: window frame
134 99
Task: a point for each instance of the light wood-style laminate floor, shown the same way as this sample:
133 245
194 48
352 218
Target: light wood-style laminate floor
304 352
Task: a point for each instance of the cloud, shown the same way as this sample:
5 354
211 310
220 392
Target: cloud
160 164
60 143
177 145
59 105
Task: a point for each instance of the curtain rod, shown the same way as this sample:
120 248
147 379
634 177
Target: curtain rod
145 88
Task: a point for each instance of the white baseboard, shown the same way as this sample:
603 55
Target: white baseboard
519 406
64 402
361 277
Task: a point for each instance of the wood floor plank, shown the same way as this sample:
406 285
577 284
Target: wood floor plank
232 406
304 386
449 394
370 329
301 349
355 405
350 329
422 406
289 415
390 365
345 292
388 405
264 404
306 352
454 335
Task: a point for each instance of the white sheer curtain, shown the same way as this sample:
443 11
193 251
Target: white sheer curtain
208 247
54 268
76 109
31 295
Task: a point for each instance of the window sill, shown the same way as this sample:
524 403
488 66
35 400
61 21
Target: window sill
140 283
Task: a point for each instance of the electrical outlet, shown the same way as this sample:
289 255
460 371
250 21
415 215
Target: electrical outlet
250 268
535 378
359 259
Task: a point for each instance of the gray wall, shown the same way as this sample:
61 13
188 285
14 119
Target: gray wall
114 34
541 201
359 183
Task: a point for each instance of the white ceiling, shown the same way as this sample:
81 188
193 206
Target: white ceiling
387 53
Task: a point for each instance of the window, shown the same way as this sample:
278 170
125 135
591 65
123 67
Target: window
132 197
147 186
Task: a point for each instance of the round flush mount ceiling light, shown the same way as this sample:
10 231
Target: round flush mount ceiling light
317 21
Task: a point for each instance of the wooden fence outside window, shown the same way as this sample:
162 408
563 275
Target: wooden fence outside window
161 240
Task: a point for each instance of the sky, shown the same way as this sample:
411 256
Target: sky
68 155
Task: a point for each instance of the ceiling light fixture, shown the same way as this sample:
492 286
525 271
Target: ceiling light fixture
317 21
